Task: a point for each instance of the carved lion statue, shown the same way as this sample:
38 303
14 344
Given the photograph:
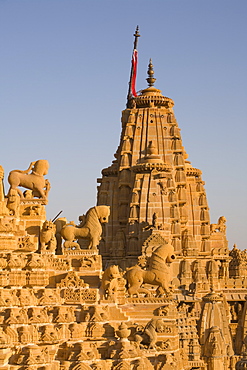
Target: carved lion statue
34 181
109 284
47 236
13 202
91 229
157 272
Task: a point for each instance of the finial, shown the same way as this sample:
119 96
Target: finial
136 35
151 80
151 148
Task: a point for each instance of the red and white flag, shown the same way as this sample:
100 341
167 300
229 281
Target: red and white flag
134 72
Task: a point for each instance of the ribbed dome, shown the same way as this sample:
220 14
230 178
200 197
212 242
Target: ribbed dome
242 364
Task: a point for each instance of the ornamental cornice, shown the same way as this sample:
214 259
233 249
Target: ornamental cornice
148 167
109 171
158 100
193 171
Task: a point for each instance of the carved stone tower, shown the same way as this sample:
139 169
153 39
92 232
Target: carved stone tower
153 190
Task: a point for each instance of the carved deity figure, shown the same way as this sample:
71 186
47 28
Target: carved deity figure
34 181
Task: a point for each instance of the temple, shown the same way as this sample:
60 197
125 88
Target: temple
143 281
153 190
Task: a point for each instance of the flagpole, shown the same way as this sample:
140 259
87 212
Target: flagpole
136 35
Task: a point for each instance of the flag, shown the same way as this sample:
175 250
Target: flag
134 72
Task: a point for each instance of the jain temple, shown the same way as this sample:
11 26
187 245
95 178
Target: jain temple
142 281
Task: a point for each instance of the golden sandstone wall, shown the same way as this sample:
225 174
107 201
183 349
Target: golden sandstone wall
144 281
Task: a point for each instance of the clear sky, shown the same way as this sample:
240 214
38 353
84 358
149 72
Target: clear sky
63 83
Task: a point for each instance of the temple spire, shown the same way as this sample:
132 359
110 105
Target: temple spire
131 91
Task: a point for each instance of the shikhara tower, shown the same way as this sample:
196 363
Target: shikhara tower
153 190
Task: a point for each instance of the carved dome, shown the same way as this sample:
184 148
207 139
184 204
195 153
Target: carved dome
151 96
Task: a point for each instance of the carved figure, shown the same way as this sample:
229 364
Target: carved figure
91 229
60 222
34 181
157 272
47 236
13 202
148 335
219 227
110 280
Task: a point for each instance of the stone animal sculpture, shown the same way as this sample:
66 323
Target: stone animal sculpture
47 236
60 223
13 202
157 272
220 226
148 335
34 181
110 281
91 229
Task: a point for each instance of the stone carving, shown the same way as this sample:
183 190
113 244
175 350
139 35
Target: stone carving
25 245
7 225
50 297
26 297
111 281
157 272
47 237
13 202
91 229
40 315
219 227
90 262
148 335
72 280
34 181
60 222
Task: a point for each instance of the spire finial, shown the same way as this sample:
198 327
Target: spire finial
151 80
132 90
136 35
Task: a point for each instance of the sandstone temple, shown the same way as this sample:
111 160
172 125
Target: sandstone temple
143 280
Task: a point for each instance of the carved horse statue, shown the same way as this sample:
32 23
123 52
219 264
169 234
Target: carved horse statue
91 229
157 272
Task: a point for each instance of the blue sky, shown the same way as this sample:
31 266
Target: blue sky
63 83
